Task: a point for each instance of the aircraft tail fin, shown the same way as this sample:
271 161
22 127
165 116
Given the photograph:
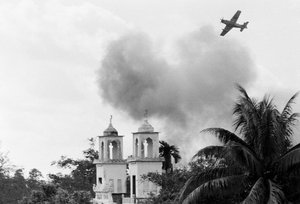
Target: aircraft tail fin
244 26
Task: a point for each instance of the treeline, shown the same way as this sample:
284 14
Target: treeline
73 188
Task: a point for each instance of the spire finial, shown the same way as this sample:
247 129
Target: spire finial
146 115
110 119
146 127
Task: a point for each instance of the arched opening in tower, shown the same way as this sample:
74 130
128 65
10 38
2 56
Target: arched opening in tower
149 147
143 149
109 149
102 151
115 150
136 147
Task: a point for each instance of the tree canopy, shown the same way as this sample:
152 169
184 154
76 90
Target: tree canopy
258 166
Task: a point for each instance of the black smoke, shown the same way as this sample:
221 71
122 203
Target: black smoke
196 89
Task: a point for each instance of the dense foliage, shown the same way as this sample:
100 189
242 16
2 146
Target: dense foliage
13 185
260 166
83 172
171 183
73 188
52 194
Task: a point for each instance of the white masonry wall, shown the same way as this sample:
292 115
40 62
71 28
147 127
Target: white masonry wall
143 189
113 175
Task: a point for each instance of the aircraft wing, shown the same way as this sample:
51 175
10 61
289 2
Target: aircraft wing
235 17
226 30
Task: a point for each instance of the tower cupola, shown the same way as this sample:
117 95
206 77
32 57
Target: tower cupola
110 131
146 126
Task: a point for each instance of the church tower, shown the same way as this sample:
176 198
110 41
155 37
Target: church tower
110 167
145 159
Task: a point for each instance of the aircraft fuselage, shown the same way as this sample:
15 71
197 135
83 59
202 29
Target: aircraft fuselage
230 23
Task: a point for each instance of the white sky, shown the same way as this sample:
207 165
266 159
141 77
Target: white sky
51 50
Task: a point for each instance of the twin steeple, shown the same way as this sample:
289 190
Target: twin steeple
112 171
145 127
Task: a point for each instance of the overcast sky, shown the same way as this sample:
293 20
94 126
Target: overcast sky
59 61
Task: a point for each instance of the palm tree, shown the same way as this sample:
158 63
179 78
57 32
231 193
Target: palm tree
168 151
261 166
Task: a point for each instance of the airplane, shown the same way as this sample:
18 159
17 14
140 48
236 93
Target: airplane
232 23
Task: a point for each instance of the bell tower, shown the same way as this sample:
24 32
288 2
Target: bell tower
110 144
110 167
145 159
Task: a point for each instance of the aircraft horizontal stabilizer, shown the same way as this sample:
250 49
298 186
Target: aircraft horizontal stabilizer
244 26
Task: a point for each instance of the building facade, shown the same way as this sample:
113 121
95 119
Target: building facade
113 170
110 167
145 159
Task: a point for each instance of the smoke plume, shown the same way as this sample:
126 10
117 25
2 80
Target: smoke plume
196 89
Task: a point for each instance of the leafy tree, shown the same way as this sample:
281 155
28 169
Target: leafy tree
62 196
12 188
171 184
260 166
13 185
36 197
34 181
81 197
52 194
4 164
83 172
168 151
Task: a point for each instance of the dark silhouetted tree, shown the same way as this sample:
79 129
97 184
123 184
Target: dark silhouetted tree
83 172
167 152
261 166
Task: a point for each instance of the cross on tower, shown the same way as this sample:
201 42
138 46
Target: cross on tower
110 151
146 148
146 114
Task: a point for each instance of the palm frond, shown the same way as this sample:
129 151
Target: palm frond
175 153
287 121
246 117
205 176
163 148
189 186
287 110
288 124
288 160
245 111
257 193
293 190
218 172
276 195
221 186
242 91
297 146
293 172
226 136
235 153
211 151
176 157
246 159
269 143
